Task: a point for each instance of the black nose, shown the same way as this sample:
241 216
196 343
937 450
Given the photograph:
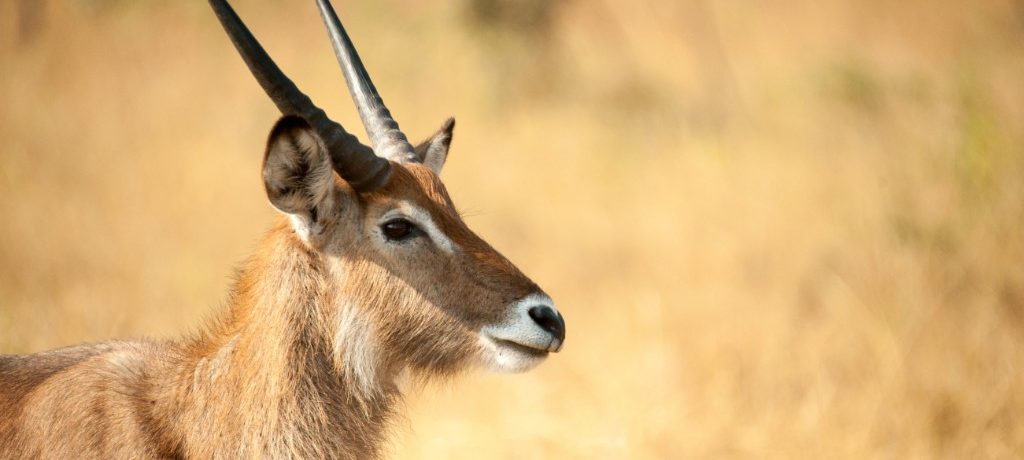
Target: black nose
549 320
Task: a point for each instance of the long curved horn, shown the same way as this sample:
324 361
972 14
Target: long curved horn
385 136
355 162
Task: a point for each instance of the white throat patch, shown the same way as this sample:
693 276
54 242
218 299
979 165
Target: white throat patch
355 349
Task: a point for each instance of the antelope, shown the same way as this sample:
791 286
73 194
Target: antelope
369 275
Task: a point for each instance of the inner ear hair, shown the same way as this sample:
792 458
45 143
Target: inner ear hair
297 172
433 151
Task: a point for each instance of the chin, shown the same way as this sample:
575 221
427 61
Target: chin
506 356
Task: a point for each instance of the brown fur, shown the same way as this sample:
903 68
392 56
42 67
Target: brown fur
303 361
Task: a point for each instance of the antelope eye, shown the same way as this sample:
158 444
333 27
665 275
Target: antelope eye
399 229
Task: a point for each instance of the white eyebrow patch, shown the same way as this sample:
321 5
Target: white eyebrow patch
425 222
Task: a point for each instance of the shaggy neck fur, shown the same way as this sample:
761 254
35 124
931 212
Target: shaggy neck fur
272 370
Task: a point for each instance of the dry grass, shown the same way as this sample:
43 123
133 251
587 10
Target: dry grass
775 231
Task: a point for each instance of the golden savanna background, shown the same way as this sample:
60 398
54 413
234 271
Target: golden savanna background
785 230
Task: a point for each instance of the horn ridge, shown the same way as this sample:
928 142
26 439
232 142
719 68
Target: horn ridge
386 137
355 162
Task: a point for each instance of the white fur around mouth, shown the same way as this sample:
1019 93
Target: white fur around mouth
507 356
522 348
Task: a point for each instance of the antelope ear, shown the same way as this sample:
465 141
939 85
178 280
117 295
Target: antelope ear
434 151
297 173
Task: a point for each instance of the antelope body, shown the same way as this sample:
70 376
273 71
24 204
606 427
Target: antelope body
369 273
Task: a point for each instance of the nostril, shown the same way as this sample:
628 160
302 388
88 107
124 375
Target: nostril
549 320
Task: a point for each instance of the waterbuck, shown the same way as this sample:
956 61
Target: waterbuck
370 273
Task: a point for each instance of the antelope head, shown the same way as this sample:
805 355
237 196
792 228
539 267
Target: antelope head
409 285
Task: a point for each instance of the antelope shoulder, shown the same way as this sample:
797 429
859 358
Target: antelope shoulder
92 395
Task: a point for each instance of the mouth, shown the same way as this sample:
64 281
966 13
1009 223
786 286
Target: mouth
505 355
524 349
531 330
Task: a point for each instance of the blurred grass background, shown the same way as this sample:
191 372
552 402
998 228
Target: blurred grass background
776 231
